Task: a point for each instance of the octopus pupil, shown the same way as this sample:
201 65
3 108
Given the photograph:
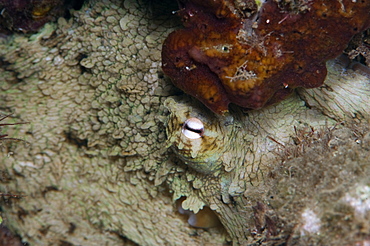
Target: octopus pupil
193 128
199 131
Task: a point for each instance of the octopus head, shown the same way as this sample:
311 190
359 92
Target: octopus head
199 140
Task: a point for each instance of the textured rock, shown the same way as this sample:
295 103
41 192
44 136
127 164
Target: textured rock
231 53
103 164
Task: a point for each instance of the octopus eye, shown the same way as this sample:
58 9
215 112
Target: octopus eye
193 128
225 48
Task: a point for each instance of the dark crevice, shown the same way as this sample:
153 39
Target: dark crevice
74 140
27 16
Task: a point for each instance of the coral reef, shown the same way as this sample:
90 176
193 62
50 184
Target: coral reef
324 190
359 48
29 15
107 158
7 239
254 58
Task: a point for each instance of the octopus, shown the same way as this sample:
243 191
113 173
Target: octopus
235 52
114 154
237 151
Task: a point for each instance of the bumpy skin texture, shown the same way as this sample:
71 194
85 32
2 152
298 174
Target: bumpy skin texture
90 89
105 159
223 56
262 199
